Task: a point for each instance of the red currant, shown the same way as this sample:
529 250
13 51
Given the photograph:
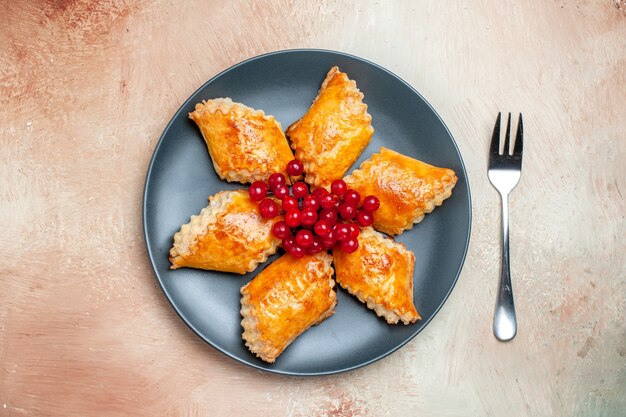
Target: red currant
295 168
364 218
371 203
311 201
342 231
320 192
354 230
327 200
309 216
281 191
352 197
276 179
347 211
297 251
330 215
349 245
304 238
281 230
288 243
257 190
268 208
329 240
316 247
300 190
338 187
290 203
322 228
293 218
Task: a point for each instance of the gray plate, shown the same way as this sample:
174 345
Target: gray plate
181 177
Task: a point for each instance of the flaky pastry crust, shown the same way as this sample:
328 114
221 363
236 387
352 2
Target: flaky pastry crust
329 138
285 299
407 188
380 274
228 235
245 144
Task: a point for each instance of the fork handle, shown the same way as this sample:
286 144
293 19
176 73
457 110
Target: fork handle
504 320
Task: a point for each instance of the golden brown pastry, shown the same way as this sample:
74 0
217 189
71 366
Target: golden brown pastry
245 144
329 138
284 300
407 188
229 235
380 274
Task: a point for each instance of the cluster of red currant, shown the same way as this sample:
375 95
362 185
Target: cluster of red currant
315 221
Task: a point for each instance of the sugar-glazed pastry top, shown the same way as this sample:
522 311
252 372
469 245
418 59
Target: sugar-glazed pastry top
329 138
286 298
245 144
380 274
407 188
228 235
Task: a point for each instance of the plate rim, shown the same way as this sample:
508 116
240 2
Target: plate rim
152 257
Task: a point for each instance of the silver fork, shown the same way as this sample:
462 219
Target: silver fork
504 173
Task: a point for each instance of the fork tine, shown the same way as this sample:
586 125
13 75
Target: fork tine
495 138
507 137
519 138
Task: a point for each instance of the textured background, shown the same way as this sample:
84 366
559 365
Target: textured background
86 88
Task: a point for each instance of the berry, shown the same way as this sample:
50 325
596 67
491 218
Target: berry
316 247
276 180
296 251
295 168
309 216
322 228
290 203
371 203
281 191
354 230
268 208
349 245
281 230
342 231
329 240
352 197
257 190
300 190
330 215
364 218
347 211
338 187
288 243
327 200
293 218
311 201
304 238
320 192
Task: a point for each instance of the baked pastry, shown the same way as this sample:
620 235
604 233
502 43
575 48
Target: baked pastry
380 274
228 235
285 299
407 188
329 138
245 144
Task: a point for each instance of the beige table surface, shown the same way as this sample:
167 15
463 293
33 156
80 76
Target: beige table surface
86 88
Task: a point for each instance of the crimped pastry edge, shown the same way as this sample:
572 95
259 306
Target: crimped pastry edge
391 316
358 175
199 224
311 176
251 335
225 105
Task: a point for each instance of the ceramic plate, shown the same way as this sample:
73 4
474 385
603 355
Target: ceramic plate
283 84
